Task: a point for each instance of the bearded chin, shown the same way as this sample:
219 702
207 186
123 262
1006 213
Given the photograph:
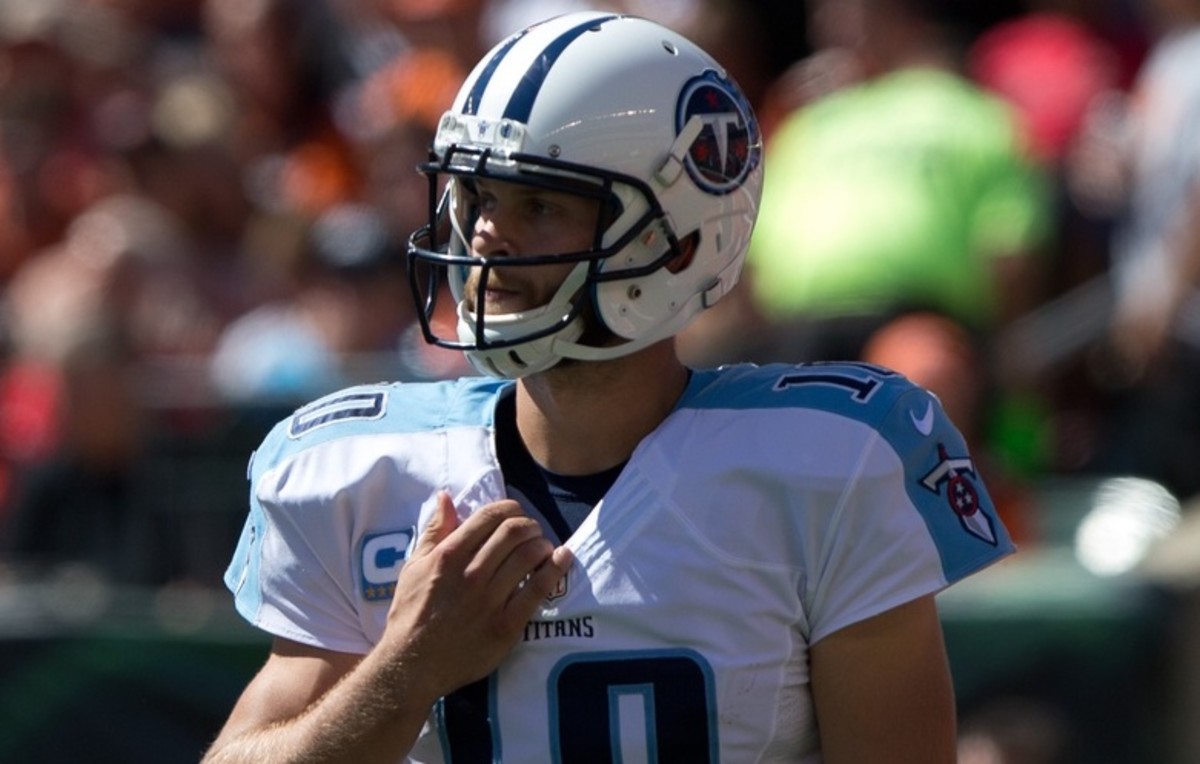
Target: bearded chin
594 332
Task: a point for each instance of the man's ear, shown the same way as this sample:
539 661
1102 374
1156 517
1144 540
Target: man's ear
687 250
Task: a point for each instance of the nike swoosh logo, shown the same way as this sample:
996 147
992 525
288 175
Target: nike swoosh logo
924 425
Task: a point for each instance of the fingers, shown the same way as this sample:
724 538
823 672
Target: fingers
490 532
500 548
443 522
526 578
515 547
471 532
519 562
482 542
541 582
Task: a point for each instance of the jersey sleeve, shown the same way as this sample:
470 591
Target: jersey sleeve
292 572
338 495
914 518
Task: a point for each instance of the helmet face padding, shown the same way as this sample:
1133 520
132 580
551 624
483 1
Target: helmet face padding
620 109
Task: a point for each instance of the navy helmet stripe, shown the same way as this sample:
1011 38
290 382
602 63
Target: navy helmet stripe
471 106
520 106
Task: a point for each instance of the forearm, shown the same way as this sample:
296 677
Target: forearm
373 714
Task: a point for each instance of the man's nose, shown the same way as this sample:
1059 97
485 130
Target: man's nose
491 239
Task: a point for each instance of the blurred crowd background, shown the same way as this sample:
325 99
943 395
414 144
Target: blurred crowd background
204 206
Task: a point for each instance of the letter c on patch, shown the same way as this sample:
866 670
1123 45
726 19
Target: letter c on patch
382 555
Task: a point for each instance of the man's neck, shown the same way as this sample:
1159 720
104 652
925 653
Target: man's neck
584 417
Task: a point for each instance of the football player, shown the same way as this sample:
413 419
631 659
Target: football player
592 552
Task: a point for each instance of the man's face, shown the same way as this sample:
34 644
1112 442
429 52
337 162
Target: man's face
514 220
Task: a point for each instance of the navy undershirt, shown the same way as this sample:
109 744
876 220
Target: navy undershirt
563 500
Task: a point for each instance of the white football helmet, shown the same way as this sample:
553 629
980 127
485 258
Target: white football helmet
611 106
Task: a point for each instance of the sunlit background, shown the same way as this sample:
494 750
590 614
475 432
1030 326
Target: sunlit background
204 206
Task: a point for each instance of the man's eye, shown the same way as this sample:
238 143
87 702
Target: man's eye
542 207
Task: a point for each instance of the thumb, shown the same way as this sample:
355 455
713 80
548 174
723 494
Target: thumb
443 522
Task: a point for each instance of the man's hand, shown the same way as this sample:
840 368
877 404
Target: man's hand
464 596
462 601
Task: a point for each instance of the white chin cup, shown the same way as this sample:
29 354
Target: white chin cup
516 360
529 356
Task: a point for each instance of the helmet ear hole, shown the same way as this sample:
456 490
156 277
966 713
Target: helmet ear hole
687 252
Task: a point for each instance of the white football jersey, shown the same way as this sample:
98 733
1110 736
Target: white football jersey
774 506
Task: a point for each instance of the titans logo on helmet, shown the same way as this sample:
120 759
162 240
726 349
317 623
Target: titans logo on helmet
728 146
